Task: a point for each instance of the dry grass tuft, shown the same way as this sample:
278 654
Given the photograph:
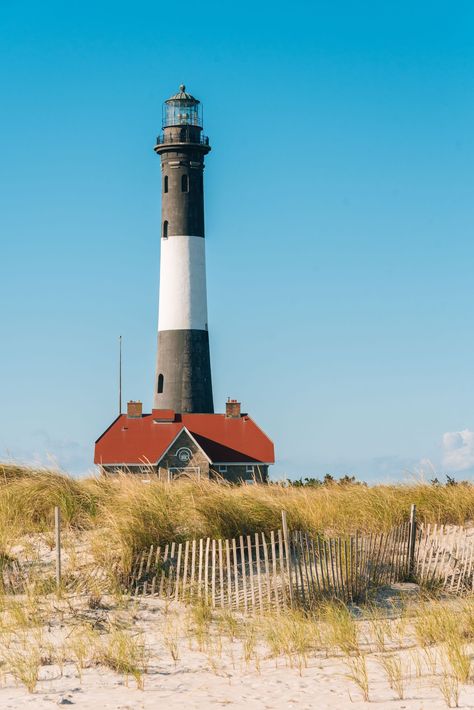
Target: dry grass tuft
24 664
125 654
341 628
393 667
293 635
357 672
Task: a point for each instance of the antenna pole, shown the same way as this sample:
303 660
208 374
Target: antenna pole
120 374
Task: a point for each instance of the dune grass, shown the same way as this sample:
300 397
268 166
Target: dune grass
129 514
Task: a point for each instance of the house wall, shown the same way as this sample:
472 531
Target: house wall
237 473
171 460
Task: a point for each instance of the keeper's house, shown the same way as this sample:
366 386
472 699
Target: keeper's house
229 446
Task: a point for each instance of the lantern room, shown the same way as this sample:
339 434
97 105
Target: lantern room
182 109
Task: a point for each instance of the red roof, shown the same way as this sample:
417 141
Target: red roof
130 440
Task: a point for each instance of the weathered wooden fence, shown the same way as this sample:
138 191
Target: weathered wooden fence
276 569
279 569
347 568
445 557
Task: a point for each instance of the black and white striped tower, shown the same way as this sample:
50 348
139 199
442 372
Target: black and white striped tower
183 371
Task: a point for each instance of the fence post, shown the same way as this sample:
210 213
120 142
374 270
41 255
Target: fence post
412 542
286 539
57 530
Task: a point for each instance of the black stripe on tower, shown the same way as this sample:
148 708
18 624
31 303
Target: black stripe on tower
184 372
183 200
182 153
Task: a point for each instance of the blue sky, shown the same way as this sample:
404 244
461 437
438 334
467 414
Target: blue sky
339 218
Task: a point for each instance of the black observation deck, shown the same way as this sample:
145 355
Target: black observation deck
182 135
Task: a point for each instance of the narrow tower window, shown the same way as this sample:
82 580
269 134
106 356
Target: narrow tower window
184 183
165 229
160 384
165 184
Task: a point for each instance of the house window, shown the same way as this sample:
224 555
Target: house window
184 183
165 184
184 455
249 470
222 469
161 380
165 229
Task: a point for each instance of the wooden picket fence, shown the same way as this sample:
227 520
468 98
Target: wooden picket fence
346 568
445 557
274 570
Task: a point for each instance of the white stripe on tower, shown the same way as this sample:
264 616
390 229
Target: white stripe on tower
183 300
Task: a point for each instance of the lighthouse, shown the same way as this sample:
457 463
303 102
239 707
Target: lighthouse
183 368
182 436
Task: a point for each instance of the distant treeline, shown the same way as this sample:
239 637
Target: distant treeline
327 480
346 480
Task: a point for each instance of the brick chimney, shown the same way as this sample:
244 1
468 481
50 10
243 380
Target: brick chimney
232 408
134 409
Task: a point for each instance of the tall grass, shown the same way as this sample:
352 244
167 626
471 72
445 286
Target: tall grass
129 514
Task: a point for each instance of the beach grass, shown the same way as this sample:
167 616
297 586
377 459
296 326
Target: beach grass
128 514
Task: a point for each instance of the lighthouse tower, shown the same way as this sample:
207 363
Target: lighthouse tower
181 436
183 370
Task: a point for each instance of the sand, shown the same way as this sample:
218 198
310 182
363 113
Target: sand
217 676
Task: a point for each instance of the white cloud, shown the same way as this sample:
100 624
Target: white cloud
458 450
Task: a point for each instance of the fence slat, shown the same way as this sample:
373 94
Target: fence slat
331 559
162 577
244 572
323 565
259 576
229 574
236 572
200 566
314 563
206 570
340 566
310 563
172 569
213 575
185 569
267 570
157 560
193 568
286 538
221 572
178 571
252 588
274 568
281 559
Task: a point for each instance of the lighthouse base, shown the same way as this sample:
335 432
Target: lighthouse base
183 377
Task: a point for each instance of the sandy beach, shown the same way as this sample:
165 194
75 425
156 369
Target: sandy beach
218 672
